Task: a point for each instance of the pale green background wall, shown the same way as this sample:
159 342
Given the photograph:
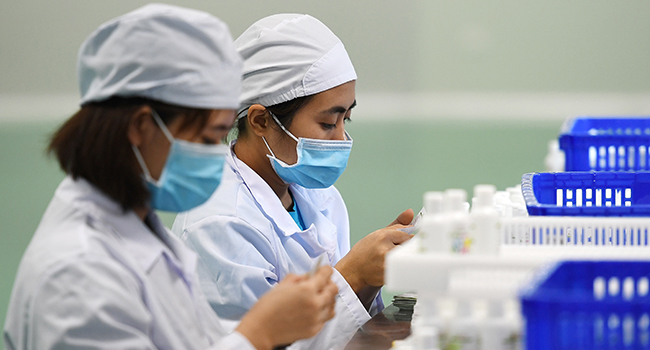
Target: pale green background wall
400 48
407 45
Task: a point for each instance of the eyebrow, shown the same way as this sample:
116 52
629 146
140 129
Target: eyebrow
339 109
222 126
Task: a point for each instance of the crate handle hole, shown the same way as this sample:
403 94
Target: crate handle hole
644 322
642 287
628 288
599 288
613 322
614 286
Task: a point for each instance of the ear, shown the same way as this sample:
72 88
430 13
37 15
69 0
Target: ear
258 120
141 127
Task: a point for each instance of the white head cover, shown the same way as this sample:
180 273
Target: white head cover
171 54
287 56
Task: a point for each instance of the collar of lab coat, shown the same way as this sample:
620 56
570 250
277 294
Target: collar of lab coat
269 202
144 247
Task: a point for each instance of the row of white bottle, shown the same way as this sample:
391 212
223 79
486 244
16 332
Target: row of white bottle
448 224
464 325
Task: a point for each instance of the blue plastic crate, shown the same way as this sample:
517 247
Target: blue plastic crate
589 305
608 193
606 143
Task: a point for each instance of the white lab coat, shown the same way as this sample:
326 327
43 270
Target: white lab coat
96 277
247 242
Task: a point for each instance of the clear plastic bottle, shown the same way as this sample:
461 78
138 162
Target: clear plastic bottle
484 221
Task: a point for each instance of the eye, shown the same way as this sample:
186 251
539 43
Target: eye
327 126
209 141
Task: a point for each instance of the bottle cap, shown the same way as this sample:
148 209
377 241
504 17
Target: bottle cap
433 202
455 199
484 195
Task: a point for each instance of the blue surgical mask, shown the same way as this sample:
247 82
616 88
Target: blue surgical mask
320 162
191 174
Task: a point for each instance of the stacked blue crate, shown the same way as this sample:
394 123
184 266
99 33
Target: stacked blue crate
589 305
593 304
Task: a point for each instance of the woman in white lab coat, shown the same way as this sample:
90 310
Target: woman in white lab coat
159 86
277 211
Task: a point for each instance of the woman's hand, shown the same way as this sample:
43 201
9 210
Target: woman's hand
363 266
296 308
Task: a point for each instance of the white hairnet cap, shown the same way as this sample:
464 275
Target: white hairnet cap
167 53
287 56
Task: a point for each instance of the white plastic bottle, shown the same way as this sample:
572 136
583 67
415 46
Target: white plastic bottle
434 234
427 313
484 221
555 159
502 203
501 329
464 329
425 338
432 202
518 201
456 217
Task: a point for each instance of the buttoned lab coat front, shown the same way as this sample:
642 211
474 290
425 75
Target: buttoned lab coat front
247 242
96 277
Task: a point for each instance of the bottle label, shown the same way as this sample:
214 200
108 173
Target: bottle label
461 241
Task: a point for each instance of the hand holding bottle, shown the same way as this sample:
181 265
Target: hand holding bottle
296 308
364 265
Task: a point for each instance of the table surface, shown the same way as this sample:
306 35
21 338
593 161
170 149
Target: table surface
380 332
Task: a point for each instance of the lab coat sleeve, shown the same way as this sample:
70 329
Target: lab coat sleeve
337 332
95 305
236 264
236 267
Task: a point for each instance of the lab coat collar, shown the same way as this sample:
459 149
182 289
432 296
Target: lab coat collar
314 243
268 201
144 247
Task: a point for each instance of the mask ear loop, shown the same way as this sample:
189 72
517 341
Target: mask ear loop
162 126
138 155
267 146
282 126
143 165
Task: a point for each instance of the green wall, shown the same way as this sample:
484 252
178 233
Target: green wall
408 45
391 166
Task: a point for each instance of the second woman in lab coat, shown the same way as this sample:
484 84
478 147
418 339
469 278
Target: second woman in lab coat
277 212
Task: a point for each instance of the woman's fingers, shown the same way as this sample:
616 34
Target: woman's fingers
404 218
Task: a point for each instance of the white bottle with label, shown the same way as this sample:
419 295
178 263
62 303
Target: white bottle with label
428 314
501 329
484 221
433 226
456 217
464 328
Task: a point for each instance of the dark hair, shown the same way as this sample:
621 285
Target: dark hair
93 145
284 111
